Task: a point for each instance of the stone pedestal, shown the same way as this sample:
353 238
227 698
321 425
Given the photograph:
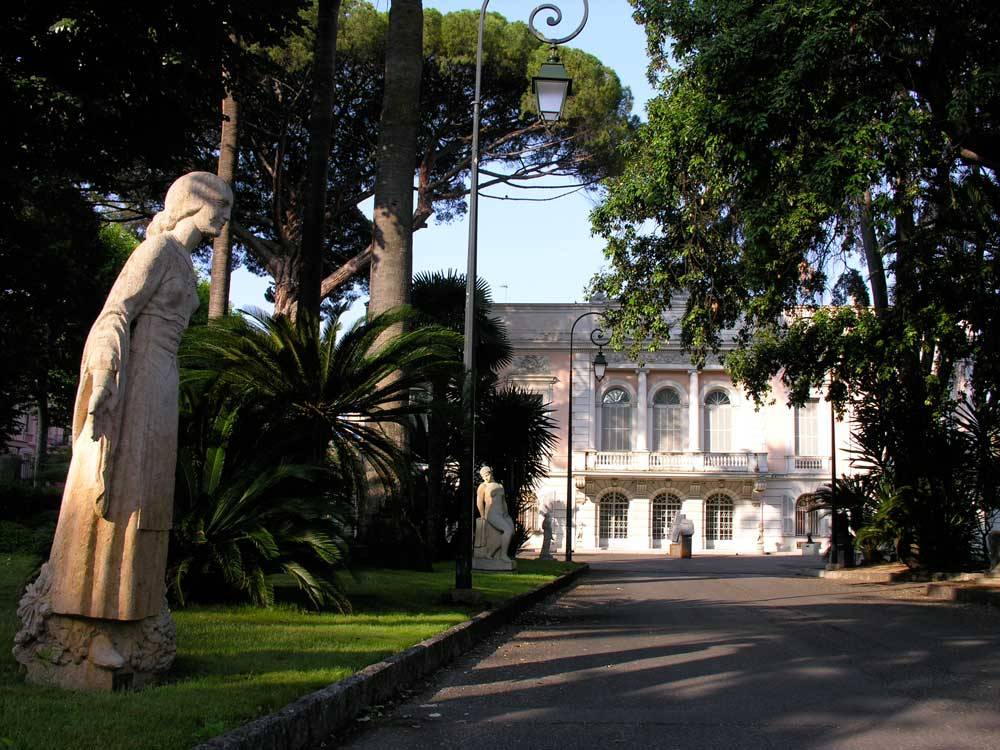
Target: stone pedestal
85 653
810 549
491 563
682 549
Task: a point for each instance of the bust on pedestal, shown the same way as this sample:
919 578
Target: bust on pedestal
494 527
97 618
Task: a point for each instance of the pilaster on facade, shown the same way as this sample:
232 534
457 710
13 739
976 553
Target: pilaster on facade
694 411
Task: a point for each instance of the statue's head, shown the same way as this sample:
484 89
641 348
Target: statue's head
202 195
486 473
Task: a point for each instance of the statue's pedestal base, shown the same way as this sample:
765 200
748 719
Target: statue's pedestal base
681 550
489 563
86 653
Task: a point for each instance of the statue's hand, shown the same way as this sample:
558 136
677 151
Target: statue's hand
103 399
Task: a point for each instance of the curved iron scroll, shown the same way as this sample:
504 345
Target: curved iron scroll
555 20
599 338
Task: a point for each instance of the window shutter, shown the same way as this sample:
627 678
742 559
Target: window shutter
788 516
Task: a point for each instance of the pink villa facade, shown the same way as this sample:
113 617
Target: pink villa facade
17 461
658 436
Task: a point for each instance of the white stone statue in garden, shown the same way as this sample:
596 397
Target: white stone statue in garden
494 527
99 604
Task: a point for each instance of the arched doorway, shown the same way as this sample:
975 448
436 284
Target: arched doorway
718 521
664 510
613 520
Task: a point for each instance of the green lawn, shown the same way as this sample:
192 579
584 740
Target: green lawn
234 663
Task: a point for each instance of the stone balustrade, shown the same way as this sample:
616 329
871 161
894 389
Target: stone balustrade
742 462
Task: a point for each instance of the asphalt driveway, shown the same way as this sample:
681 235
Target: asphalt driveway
715 652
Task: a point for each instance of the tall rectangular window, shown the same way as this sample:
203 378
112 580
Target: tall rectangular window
718 427
667 421
807 428
616 421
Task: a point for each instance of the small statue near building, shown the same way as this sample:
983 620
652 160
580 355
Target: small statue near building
96 618
681 533
494 527
546 553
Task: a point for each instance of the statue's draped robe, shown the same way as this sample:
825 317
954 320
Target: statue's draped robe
110 549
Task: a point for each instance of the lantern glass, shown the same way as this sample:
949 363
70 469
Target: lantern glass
600 366
552 86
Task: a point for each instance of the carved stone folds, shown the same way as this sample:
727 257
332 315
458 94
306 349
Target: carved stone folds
85 653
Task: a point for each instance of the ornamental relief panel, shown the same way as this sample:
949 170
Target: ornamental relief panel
532 364
659 357
646 489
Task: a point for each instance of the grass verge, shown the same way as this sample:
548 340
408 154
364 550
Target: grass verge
237 663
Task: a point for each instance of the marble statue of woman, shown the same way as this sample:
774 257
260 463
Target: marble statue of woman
494 527
109 556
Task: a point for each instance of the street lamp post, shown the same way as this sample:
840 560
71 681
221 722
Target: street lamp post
835 559
600 365
551 88
759 486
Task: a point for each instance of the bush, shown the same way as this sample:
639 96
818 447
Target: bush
31 540
19 501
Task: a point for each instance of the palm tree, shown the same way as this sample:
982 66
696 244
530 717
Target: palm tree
244 517
439 298
316 397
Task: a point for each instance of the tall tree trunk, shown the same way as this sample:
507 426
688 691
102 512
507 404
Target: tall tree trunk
42 434
392 243
873 257
320 137
285 272
392 229
222 248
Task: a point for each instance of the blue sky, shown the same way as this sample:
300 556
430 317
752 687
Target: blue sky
528 252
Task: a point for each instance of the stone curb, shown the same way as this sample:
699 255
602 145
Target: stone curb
969 594
314 717
866 575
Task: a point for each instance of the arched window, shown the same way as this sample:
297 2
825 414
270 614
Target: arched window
616 420
666 506
614 516
667 415
806 520
719 518
718 422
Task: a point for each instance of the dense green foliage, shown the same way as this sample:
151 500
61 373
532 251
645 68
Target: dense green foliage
793 135
58 267
243 519
103 92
